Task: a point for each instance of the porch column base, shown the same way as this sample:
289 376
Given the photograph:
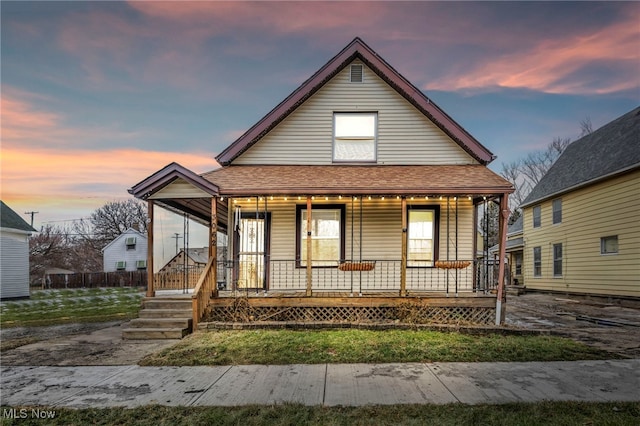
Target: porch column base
498 312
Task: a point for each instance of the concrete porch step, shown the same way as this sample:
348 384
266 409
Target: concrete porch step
166 303
161 323
165 313
153 333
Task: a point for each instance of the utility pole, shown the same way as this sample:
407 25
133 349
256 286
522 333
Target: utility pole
176 236
32 214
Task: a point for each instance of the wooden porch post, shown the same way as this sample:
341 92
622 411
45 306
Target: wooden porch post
150 290
403 266
309 248
213 243
503 218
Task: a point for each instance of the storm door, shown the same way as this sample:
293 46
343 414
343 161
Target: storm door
251 248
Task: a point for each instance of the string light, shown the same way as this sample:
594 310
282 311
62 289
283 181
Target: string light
221 198
469 197
340 197
412 198
326 198
298 197
271 198
426 197
382 198
441 197
285 198
369 196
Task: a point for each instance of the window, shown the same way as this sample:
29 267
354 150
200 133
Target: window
121 265
609 245
141 264
518 261
536 217
130 242
354 136
327 235
422 241
537 261
557 260
557 210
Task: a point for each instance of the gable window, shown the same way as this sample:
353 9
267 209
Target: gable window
327 235
422 241
557 210
609 245
537 261
354 136
130 242
537 217
557 260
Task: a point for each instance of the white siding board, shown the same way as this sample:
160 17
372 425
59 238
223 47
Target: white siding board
14 266
117 251
405 136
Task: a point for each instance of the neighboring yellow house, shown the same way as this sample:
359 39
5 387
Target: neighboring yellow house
581 227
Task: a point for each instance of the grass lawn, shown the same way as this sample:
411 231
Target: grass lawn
48 307
547 413
365 346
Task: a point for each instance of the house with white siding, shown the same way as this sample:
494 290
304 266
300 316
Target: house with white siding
127 252
354 195
14 254
581 227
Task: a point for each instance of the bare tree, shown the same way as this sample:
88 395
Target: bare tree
586 127
114 218
49 248
527 172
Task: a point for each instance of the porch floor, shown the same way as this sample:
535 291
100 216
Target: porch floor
346 294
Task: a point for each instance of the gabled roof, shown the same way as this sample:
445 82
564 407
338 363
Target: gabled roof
611 150
357 49
516 226
12 220
165 176
126 233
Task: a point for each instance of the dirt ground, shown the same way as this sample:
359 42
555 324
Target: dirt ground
607 326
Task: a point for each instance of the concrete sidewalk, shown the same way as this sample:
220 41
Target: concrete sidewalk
322 384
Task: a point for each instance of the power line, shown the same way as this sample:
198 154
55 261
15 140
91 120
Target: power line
32 214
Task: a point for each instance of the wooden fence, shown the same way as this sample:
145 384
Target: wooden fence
93 280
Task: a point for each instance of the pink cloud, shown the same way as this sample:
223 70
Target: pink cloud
547 65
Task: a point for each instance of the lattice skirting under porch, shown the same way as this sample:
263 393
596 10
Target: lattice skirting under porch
406 313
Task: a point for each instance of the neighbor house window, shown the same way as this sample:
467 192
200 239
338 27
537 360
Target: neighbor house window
141 264
536 217
130 242
557 210
327 235
422 241
537 261
518 262
121 265
557 260
354 136
609 245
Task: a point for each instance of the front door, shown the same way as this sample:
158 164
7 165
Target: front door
251 251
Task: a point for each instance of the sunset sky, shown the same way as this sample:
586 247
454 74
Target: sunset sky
96 96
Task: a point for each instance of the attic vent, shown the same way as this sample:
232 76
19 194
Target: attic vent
130 242
356 73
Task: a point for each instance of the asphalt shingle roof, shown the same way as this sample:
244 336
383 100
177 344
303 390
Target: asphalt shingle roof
357 180
11 219
613 148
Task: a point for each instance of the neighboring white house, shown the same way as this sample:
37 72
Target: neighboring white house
127 252
14 254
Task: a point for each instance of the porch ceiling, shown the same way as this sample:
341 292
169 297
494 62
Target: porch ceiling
357 180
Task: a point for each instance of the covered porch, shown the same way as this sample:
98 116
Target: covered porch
341 243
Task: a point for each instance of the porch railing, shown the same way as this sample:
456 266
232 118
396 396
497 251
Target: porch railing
373 276
203 292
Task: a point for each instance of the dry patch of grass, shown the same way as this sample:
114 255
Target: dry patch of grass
365 346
